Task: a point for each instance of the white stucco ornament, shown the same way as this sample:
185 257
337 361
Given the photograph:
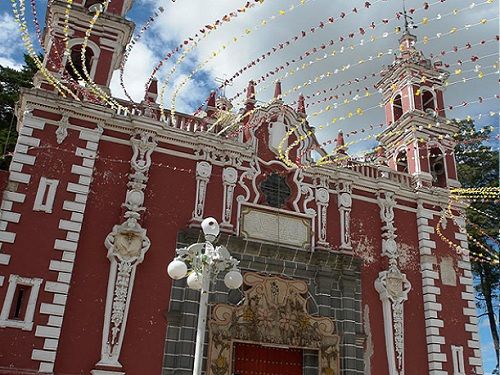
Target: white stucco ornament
345 199
230 175
322 195
203 169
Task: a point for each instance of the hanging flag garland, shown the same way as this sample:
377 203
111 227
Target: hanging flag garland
223 47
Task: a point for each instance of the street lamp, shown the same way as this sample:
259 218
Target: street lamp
205 262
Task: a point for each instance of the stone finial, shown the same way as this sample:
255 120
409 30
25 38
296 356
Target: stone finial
301 105
277 90
250 102
211 103
152 91
251 90
341 148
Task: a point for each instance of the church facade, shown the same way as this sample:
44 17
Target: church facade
348 268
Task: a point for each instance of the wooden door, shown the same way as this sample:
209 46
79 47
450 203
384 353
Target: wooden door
250 359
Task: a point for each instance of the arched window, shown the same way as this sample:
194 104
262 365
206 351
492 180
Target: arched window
438 169
428 101
397 107
76 70
402 162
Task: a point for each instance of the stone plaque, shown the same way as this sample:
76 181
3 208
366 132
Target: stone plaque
275 227
448 273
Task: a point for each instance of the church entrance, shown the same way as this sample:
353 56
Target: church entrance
251 337
266 360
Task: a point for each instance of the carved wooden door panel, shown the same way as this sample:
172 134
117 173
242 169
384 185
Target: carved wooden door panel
266 360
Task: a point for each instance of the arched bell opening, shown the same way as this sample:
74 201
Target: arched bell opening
428 102
437 167
75 67
402 162
397 107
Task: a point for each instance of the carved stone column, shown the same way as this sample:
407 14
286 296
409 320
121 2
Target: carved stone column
203 173
393 288
322 201
345 204
127 245
229 179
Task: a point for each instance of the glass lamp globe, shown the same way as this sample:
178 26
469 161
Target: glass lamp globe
194 281
233 279
210 228
177 269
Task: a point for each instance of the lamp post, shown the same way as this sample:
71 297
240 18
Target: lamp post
205 262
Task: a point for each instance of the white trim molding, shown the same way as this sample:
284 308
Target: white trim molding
18 174
322 201
229 180
203 173
345 205
27 323
457 356
393 287
65 250
127 245
432 307
45 195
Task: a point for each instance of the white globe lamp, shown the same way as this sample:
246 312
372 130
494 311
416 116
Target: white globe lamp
210 228
177 269
194 281
233 279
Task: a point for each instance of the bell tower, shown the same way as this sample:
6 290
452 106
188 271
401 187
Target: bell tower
105 45
418 138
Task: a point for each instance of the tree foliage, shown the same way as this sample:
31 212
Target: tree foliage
11 80
477 166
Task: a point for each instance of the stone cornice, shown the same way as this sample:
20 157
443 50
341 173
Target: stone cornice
369 181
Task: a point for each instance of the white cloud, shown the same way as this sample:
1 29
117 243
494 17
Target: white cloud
183 19
9 63
9 40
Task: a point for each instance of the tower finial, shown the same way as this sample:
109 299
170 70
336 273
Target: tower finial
409 24
405 14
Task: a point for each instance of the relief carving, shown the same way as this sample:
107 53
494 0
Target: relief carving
127 244
393 288
322 201
229 179
273 312
345 205
203 173
62 129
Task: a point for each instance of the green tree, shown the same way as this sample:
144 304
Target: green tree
477 165
11 80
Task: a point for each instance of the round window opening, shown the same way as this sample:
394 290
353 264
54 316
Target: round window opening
275 190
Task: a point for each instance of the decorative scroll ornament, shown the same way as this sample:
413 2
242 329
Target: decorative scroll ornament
322 201
127 244
387 204
229 179
62 129
273 312
393 288
203 173
345 204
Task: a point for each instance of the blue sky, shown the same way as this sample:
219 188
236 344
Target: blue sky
184 17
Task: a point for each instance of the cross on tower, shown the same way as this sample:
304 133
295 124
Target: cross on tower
409 24
223 83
